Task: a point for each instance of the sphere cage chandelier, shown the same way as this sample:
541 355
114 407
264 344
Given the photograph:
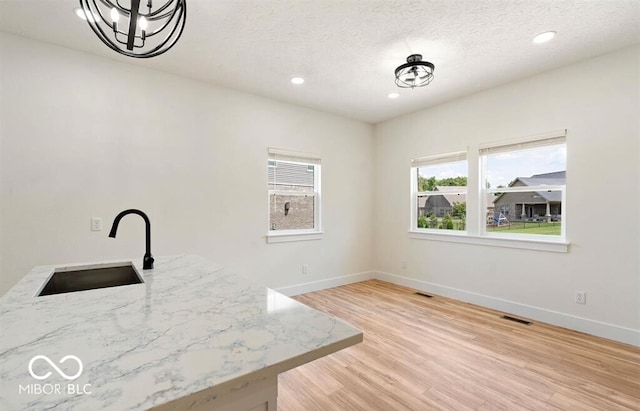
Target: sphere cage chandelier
136 33
414 73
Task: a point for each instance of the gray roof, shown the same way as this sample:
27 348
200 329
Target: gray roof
550 179
453 198
557 178
555 174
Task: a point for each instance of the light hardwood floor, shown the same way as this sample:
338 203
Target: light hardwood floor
439 354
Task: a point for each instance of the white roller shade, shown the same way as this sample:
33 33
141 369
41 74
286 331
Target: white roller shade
439 159
293 156
524 143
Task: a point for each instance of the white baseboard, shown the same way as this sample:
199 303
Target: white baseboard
597 328
324 284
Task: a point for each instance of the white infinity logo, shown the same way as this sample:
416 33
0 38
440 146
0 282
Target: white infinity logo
51 363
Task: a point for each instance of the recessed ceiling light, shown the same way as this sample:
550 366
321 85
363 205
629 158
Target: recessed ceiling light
297 80
544 37
393 95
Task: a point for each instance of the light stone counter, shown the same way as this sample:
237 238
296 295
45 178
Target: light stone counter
191 337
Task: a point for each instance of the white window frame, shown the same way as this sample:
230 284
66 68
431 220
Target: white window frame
451 157
279 236
476 232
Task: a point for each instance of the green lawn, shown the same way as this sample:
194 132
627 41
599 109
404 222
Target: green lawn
540 228
528 228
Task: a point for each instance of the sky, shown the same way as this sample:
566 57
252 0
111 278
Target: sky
502 168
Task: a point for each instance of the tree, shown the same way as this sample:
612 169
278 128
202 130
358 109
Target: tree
430 183
426 184
447 222
459 209
452 181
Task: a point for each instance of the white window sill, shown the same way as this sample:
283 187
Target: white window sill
553 245
288 236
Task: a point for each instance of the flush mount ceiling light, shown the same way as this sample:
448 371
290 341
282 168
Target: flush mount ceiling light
297 80
544 37
137 31
393 95
414 73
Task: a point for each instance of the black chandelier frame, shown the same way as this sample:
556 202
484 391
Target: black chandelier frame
171 15
414 73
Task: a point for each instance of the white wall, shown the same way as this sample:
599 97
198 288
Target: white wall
193 157
83 136
598 102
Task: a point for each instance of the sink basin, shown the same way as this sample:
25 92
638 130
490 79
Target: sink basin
70 279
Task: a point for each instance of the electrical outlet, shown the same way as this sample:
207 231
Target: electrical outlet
581 297
96 224
404 264
305 269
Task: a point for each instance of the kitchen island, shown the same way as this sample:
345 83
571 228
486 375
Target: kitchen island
192 336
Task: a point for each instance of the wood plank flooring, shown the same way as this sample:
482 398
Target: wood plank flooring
424 353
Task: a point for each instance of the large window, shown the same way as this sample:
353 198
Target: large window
439 192
524 184
517 197
294 192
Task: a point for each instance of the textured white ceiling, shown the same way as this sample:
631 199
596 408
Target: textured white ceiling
347 50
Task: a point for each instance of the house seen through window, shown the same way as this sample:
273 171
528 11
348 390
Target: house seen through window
294 188
440 192
521 190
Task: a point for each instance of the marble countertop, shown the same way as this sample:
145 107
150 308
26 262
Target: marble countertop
189 327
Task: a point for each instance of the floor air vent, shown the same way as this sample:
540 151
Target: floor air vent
424 295
517 320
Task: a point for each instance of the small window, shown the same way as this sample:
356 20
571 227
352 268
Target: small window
525 187
294 192
439 193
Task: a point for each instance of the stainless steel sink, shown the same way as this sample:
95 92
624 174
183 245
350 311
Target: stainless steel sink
70 279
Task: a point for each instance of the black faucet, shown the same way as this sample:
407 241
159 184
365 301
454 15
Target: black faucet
147 262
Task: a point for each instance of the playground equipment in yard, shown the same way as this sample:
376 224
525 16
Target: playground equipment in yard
497 219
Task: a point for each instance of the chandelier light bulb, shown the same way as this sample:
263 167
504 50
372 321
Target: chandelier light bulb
115 16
